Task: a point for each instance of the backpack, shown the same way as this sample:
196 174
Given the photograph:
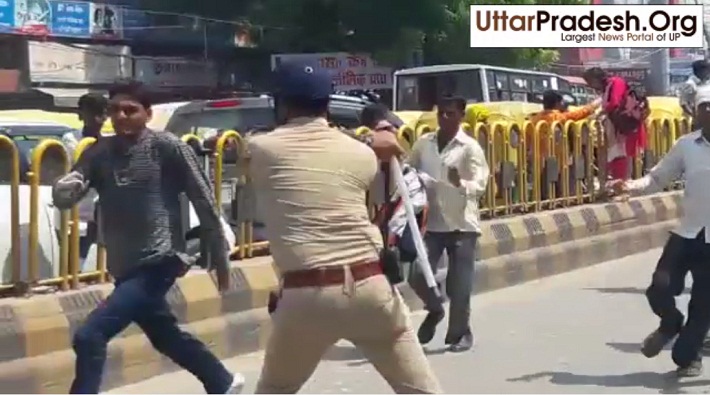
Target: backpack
631 112
391 219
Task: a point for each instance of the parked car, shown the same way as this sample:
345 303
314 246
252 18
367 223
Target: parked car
27 136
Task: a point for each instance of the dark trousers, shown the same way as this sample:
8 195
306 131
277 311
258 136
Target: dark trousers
140 298
461 250
679 257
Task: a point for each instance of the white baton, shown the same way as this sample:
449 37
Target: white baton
422 257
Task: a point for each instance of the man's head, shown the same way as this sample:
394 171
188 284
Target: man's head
302 90
92 112
377 117
701 69
552 100
129 108
450 112
595 77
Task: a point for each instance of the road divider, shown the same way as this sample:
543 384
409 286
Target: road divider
36 333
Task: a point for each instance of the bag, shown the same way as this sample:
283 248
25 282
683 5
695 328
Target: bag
404 243
631 113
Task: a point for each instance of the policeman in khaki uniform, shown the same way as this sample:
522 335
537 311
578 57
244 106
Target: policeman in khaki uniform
312 180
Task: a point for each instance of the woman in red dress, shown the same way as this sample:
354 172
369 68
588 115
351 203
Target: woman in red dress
622 149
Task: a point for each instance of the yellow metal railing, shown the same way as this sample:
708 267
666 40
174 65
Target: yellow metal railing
15 249
534 167
35 178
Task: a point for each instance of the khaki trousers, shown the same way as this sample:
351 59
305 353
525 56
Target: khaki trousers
369 313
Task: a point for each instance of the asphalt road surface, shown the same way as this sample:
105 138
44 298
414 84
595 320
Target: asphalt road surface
573 333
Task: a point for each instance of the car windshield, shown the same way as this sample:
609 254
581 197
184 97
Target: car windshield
27 138
242 120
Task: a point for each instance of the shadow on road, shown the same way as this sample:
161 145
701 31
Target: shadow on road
665 383
625 290
355 357
632 348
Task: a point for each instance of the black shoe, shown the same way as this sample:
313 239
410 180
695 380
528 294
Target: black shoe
706 346
428 328
695 369
654 343
463 343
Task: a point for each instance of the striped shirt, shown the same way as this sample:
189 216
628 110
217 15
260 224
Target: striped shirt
139 187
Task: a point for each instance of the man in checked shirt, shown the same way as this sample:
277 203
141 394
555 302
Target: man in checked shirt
139 175
687 249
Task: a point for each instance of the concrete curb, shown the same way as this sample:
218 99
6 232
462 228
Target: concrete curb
35 333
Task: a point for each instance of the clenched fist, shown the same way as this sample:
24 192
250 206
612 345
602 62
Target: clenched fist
385 146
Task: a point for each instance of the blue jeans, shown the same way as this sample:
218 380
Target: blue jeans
461 249
140 298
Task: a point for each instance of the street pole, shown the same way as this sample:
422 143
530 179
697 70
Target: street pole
706 33
660 65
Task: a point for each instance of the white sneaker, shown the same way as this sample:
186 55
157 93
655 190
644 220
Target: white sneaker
237 384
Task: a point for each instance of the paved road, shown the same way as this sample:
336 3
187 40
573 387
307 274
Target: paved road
573 333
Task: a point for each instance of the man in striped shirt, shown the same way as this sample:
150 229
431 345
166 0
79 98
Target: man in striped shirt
139 175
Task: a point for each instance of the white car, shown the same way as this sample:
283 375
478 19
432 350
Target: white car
26 137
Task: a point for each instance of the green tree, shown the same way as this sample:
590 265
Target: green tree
451 43
390 29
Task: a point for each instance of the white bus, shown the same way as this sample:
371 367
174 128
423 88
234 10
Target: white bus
418 89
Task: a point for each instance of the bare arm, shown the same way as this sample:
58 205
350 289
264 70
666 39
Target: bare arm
669 169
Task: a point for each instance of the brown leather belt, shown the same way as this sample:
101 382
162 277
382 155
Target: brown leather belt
332 275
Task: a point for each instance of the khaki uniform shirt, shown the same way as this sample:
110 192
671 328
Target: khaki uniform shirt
311 181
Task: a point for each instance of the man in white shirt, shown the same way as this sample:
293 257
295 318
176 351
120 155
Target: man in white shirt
92 113
700 77
687 249
453 168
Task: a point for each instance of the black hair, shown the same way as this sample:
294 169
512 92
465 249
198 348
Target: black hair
458 102
551 99
373 113
594 73
307 107
93 103
700 67
133 89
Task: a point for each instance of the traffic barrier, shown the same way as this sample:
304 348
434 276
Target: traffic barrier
76 274
36 333
246 247
33 247
7 145
533 168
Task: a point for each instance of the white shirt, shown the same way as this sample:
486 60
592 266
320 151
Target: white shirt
688 158
88 202
452 208
689 90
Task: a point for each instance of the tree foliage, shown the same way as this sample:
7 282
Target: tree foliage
390 29
451 42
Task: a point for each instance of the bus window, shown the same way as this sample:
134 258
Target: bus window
540 84
420 92
502 82
520 88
